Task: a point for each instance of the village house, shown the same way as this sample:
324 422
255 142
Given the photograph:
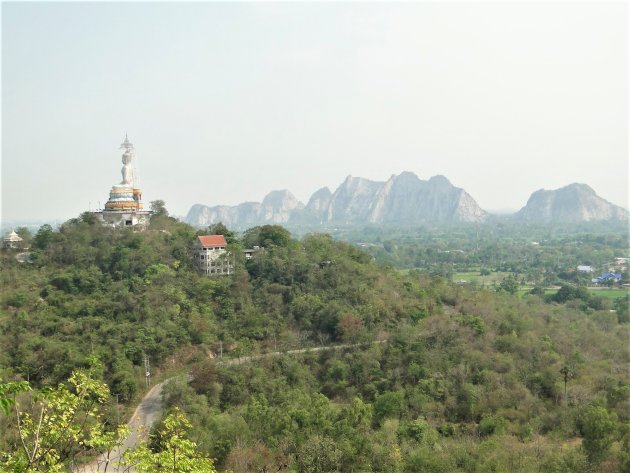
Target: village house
619 264
250 252
615 277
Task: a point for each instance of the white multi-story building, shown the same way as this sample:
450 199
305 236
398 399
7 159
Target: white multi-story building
212 257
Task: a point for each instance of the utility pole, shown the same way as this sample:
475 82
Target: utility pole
117 410
147 371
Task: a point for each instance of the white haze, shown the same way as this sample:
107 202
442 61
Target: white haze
228 101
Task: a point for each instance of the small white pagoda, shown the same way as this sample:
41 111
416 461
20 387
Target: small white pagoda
12 240
124 207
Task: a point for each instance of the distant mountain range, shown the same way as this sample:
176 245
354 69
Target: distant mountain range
571 204
404 199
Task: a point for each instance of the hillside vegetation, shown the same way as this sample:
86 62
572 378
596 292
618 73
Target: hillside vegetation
467 379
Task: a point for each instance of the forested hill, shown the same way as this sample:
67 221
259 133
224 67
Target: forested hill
470 380
122 295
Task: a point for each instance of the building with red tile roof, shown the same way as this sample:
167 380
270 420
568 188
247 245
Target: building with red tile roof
212 241
212 257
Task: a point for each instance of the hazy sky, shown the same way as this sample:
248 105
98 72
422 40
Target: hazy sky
228 101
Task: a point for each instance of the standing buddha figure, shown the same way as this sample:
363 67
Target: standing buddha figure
127 159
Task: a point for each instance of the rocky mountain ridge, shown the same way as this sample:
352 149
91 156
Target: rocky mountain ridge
276 207
570 204
404 199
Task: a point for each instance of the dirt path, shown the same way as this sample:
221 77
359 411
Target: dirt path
150 408
247 359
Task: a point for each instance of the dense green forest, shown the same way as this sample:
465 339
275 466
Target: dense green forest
432 376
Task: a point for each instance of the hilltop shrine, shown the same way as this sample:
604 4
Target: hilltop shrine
124 206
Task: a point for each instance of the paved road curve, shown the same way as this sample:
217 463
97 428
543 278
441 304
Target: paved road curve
145 415
150 409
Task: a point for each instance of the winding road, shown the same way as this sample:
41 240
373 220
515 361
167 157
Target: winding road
145 415
150 409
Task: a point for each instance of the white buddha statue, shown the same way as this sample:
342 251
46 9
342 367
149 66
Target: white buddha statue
127 158
127 170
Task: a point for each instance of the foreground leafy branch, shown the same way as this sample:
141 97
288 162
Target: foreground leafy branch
63 421
177 454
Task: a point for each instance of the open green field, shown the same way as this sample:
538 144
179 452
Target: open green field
476 278
603 292
609 293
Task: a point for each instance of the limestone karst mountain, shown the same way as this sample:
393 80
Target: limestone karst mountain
313 213
275 208
570 204
403 199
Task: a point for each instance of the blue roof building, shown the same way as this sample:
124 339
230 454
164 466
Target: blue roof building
616 277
